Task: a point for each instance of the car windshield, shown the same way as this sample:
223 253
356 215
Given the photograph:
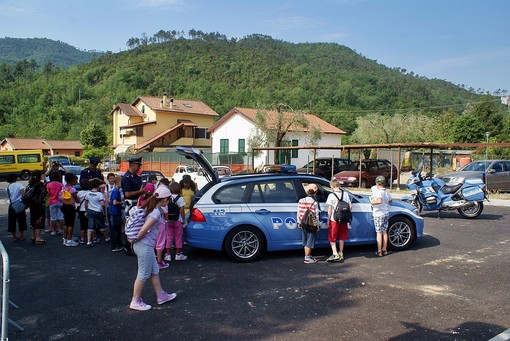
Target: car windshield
480 166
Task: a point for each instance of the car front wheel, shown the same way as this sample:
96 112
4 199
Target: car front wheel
244 244
401 233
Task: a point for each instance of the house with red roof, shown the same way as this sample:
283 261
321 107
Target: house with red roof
49 147
232 132
161 123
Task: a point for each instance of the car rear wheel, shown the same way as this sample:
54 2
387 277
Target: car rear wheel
401 233
244 244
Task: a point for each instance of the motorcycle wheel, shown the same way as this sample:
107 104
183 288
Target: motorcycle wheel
471 211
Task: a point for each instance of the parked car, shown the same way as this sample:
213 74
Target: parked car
201 177
184 169
145 175
323 166
495 174
247 215
370 169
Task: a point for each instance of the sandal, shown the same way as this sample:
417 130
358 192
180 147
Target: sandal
40 242
385 253
378 253
15 239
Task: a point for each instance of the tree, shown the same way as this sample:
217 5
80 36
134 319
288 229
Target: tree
93 135
273 127
377 128
468 129
488 113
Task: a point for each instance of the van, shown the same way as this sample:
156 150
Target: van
21 162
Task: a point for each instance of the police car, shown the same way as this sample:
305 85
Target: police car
247 215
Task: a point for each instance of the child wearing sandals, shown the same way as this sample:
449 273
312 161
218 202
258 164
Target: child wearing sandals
380 199
143 246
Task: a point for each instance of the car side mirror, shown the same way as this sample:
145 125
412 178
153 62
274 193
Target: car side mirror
491 171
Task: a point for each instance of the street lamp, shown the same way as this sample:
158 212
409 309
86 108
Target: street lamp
487 134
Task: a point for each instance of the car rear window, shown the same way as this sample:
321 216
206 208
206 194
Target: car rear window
233 194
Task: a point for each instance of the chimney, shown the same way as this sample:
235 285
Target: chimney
164 99
161 103
171 103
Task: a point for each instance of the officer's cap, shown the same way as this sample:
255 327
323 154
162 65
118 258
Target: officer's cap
94 160
133 160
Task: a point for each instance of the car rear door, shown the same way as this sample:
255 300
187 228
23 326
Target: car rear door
273 203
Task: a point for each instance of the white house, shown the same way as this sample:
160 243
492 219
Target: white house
231 134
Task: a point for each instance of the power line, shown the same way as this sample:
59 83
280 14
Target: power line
405 109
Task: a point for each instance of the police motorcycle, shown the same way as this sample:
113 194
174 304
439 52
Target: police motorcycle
431 194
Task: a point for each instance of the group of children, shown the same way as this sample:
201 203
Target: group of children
339 230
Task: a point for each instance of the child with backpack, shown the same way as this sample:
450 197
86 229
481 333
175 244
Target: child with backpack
82 216
175 223
70 198
54 189
337 229
143 239
94 204
309 231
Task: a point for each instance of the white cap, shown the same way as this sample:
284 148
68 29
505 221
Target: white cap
162 192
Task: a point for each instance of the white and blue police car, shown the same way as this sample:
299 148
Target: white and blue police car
247 215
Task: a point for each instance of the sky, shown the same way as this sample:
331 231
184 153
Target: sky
466 42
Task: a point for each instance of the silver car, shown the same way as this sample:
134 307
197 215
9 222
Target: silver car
495 174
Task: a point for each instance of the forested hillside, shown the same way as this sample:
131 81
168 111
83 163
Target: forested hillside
329 80
43 51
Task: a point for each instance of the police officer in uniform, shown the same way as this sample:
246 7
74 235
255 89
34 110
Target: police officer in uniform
92 171
132 186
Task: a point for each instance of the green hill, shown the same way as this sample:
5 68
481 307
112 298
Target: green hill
42 50
329 80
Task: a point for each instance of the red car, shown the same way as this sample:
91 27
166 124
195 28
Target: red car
370 169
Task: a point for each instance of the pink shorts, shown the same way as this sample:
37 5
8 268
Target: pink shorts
161 240
174 233
337 231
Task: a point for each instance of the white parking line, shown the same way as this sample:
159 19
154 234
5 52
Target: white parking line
504 336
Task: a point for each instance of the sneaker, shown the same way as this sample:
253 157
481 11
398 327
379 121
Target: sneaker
90 245
310 260
163 265
95 240
164 297
53 233
340 259
181 256
82 241
117 249
138 304
60 232
168 257
107 239
333 258
71 243
64 241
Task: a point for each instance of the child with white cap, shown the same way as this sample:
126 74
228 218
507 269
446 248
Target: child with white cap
143 246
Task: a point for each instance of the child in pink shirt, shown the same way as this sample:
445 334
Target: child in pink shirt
54 188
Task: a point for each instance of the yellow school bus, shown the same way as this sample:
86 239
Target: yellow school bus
21 162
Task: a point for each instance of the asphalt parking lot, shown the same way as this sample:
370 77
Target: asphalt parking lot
452 284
